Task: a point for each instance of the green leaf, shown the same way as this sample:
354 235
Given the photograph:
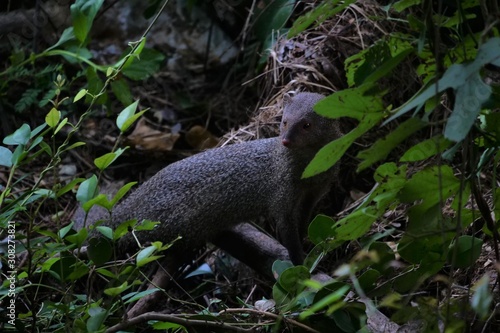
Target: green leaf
149 63
79 238
87 190
122 121
5 157
272 17
470 97
332 298
355 103
121 192
426 149
382 147
53 117
61 125
107 159
320 229
100 200
97 317
105 231
482 298
20 137
465 251
430 185
116 290
67 35
99 250
279 266
82 93
291 279
129 121
138 295
145 256
83 13
122 91
356 224
134 55
321 13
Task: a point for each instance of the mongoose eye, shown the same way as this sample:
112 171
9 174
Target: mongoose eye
306 125
284 123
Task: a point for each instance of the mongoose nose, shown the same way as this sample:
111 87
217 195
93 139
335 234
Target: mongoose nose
285 142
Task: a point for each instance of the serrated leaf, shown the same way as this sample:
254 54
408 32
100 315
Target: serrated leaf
53 117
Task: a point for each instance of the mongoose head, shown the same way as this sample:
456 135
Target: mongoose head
301 127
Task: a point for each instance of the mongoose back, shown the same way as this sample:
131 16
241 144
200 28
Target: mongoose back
200 196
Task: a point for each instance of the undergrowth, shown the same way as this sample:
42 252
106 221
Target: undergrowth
446 184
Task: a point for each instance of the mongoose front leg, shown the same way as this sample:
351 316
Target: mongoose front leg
289 236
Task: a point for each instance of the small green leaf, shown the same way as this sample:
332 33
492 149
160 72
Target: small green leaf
97 317
75 145
123 120
121 192
135 54
105 231
79 238
20 137
99 250
145 256
87 190
105 161
138 295
61 125
82 93
5 157
116 290
53 117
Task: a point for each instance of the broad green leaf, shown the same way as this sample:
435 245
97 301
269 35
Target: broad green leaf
64 230
272 16
291 278
430 185
426 149
458 76
53 117
87 190
468 102
149 63
355 103
355 224
83 13
382 147
20 137
279 266
320 229
122 91
105 231
5 157
79 238
321 13
465 251
482 298
99 250
145 256
97 317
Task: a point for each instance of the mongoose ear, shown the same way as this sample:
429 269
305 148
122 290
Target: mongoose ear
287 100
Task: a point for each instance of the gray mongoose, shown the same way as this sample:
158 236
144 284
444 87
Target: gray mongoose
204 194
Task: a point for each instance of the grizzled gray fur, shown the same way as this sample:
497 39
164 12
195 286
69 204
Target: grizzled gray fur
215 190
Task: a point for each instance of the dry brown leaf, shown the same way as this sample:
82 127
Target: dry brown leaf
144 137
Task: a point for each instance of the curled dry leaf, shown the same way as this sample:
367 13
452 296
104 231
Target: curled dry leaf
144 137
200 138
